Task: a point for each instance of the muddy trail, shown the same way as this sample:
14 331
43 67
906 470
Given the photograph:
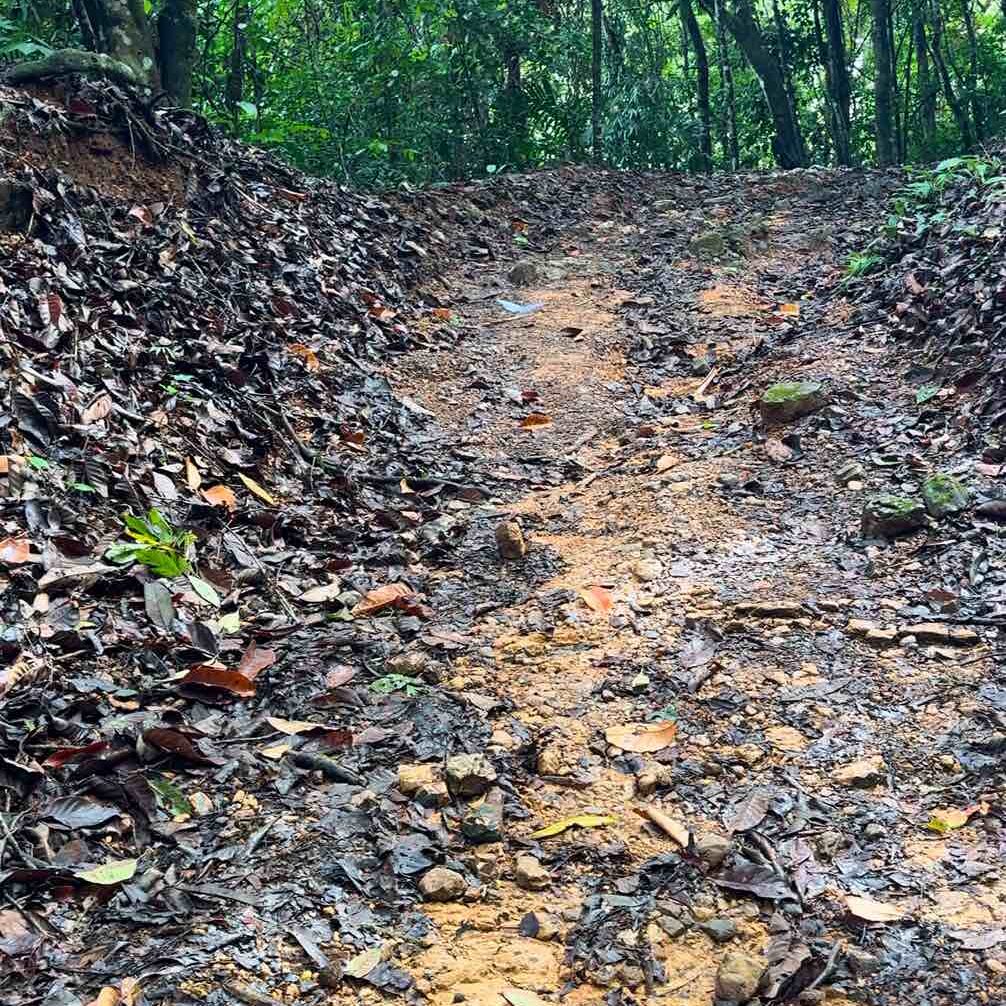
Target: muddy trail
594 671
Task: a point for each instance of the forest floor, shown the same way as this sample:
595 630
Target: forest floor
593 594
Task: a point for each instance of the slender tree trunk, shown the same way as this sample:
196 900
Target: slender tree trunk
883 87
788 144
975 99
837 75
176 48
702 83
596 36
731 147
927 87
956 106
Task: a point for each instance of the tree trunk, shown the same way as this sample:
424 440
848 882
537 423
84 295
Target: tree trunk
702 83
927 86
837 76
936 51
176 49
883 86
596 26
731 147
977 111
787 144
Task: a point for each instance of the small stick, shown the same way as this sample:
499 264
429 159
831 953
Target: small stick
326 766
675 829
829 965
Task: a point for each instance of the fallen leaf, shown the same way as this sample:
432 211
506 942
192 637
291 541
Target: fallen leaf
322 594
308 355
597 599
108 874
666 462
192 477
521 997
751 811
220 677
252 486
390 595
221 496
293 727
641 738
175 743
577 821
945 819
535 421
789 310
872 911
14 551
106 997
254 661
362 964
66 755
98 409
442 313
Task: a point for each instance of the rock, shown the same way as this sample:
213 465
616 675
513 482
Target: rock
201 804
771 609
738 977
719 930
549 927
640 683
890 516
652 777
411 664
944 496
851 471
502 739
647 570
710 244
702 913
524 273
992 510
550 760
861 962
433 794
484 823
671 926
882 638
412 778
863 773
874 830
860 626
940 634
469 775
441 884
711 848
510 540
782 403
530 874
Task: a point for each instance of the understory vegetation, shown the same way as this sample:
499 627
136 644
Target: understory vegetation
375 92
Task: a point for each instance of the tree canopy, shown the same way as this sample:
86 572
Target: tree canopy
375 92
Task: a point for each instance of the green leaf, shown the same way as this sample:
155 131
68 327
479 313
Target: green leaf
122 552
230 623
205 590
164 532
163 562
40 464
82 487
248 108
926 392
114 872
169 796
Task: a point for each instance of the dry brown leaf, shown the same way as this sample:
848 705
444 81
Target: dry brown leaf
220 677
252 486
192 477
106 997
442 313
307 354
789 310
382 597
642 738
255 660
14 551
872 911
4 464
98 409
293 727
535 421
221 496
321 594
597 599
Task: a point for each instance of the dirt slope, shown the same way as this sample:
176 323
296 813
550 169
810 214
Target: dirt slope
266 776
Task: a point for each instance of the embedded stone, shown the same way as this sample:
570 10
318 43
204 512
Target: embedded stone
789 400
944 496
890 516
469 775
441 884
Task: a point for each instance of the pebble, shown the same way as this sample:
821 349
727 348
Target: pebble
510 541
412 778
711 848
864 773
738 977
719 930
441 884
647 570
530 874
469 775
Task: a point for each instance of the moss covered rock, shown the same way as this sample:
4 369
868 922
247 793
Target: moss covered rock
789 400
944 495
890 516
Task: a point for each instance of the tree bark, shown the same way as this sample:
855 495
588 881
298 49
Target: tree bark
731 148
596 36
702 83
883 86
927 87
936 51
176 49
837 76
788 145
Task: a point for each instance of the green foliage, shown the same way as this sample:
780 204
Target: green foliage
389 683
862 264
164 550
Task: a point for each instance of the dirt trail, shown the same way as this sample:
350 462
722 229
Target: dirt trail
734 568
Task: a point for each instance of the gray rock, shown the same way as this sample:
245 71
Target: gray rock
738 977
719 930
441 884
469 775
789 400
944 496
524 273
530 874
711 848
671 926
861 962
890 516
484 823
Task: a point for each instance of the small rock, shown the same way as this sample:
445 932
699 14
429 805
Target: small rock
863 773
939 634
484 823
860 626
861 962
702 913
711 848
710 244
550 760
530 874
510 540
782 403
469 775
639 683
771 609
882 638
501 739
874 830
944 496
201 804
719 930
652 777
549 927
851 471
433 794
671 926
738 977
524 273
411 664
412 778
648 570
890 516
441 884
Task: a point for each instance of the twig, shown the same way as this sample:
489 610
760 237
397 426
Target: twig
829 965
674 829
328 767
